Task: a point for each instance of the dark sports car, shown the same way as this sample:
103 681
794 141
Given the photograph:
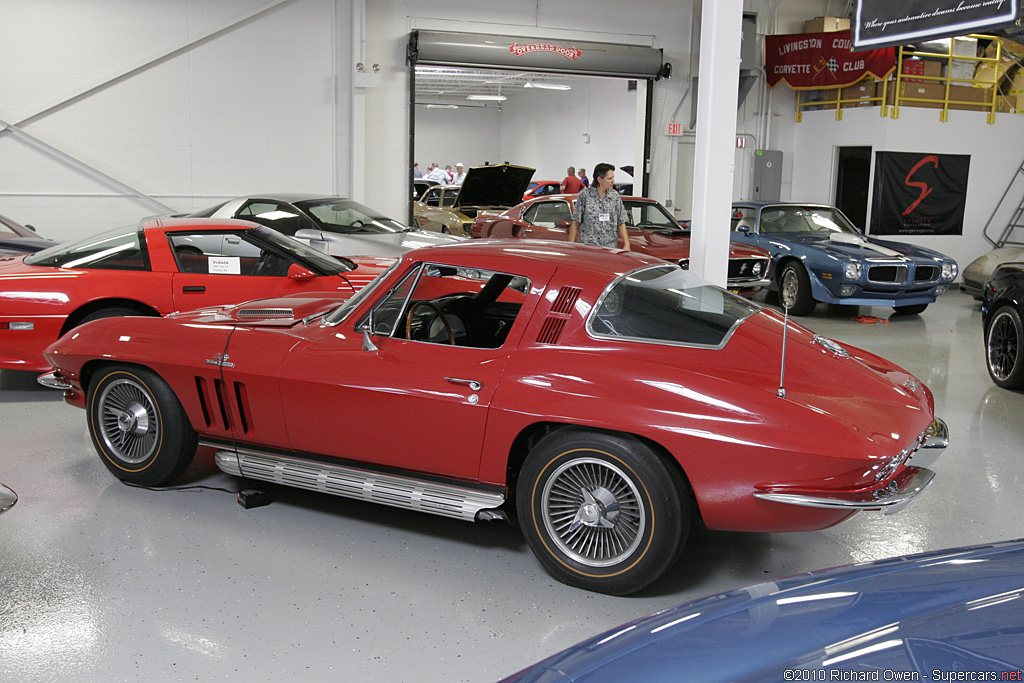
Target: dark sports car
818 255
16 238
951 615
1002 309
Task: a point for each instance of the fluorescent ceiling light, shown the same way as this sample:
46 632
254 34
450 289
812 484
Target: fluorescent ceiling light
547 86
442 106
489 98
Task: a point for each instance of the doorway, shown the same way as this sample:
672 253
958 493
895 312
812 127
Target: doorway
853 181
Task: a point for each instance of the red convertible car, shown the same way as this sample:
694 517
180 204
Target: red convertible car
609 399
652 230
155 268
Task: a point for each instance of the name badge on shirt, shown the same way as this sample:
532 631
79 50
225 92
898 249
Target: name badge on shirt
604 217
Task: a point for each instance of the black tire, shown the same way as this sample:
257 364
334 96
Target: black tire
138 426
910 310
112 312
602 512
1004 354
795 289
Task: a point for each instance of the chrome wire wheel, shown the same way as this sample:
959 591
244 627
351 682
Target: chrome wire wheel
593 512
129 422
1003 346
790 287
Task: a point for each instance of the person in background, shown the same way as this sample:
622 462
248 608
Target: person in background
437 174
448 172
583 177
416 172
600 216
460 174
570 183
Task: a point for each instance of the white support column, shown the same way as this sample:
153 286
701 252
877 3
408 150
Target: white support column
718 86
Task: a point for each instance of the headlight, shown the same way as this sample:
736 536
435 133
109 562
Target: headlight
948 270
853 270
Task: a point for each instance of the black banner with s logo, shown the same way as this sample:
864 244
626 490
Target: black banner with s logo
919 194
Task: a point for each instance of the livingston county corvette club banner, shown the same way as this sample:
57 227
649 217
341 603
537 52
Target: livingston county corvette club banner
919 194
822 60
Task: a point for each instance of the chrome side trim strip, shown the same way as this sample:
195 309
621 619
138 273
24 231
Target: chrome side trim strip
889 505
51 381
387 489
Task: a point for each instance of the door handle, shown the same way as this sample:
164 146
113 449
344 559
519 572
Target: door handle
193 288
471 383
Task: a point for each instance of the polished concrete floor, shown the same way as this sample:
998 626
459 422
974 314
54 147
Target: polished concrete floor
102 582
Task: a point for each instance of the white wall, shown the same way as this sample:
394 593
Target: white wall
449 136
263 105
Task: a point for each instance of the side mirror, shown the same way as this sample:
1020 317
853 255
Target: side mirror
300 273
745 229
563 225
368 344
30 227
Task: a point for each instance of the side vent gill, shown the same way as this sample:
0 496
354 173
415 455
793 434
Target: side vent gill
265 313
561 309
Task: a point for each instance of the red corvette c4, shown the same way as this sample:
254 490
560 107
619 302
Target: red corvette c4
608 399
155 268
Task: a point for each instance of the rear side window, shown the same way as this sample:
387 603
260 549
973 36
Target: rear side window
669 305
121 249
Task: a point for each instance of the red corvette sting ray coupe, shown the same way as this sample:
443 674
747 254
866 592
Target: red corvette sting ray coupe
652 230
609 399
155 268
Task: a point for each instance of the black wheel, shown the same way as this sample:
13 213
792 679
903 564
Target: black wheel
601 512
138 426
1004 354
910 310
795 289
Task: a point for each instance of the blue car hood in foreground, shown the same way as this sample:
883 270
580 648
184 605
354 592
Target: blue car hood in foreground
920 617
870 248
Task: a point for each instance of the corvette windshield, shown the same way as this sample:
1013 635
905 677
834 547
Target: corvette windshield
650 216
668 304
347 216
790 219
342 311
119 249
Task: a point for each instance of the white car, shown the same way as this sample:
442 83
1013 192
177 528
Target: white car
338 226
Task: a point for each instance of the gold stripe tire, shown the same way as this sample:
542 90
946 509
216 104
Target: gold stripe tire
138 426
602 511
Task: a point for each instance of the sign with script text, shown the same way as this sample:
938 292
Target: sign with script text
878 23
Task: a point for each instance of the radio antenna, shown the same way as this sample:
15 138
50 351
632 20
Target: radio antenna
781 393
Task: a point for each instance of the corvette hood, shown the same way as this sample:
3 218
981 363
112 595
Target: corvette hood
24 245
501 185
278 312
383 244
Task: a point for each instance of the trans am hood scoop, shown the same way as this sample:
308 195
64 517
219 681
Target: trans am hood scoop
862 242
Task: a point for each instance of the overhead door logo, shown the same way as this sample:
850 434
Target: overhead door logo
518 50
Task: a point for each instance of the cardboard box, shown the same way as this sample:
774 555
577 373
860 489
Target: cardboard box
962 69
925 91
826 25
864 92
920 67
960 96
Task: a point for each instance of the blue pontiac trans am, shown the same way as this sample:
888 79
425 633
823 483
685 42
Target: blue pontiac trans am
818 255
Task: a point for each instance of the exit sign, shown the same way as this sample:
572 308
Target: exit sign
674 129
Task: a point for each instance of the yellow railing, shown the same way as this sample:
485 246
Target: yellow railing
920 90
